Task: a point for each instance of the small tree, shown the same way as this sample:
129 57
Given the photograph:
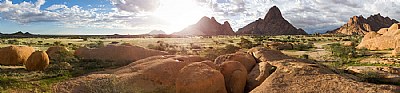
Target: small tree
343 53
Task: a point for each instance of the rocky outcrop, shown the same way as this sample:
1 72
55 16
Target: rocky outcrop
199 77
117 53
274 73
207 27
272 24
376 41
294 75
235 76
358 25
157 74
15 55
257 75
247 60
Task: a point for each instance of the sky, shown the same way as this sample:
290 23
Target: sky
100 17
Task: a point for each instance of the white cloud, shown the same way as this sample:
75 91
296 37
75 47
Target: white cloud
71 17
56 6
136 5
311 15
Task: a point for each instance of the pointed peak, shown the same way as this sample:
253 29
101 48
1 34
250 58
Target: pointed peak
273 13
212 18
226 23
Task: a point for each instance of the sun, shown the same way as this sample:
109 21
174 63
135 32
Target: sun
179 14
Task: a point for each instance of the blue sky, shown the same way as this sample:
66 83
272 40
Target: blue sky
142 16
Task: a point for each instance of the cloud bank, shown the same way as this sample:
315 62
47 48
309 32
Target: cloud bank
311 15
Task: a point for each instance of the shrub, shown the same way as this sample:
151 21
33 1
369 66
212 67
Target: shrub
302 46
14 42
39 42
57 43
97 44
304 56
213 53
343 53
245 43
156 47
64 56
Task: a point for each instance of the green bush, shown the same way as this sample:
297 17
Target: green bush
302 46
97 44
57 43
14 42
64 56
211 54
245 43
343 53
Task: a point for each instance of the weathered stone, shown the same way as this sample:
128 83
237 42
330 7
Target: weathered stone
15 55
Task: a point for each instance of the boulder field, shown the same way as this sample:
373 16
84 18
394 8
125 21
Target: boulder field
272 72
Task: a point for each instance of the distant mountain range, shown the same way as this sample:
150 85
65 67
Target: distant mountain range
207 26
272 24
358 25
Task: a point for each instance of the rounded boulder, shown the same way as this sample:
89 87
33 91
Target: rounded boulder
235 76
15 55
38 60
199 77
247 60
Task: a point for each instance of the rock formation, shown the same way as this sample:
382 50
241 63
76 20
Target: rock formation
358 25
39 60
157 74
15 55
117 53
387 40
205 79
207 26
235 76
257 75
247 60
274 73
272 24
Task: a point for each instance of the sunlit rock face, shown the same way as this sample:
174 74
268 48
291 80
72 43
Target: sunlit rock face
387 38
358 25
272 24
207 26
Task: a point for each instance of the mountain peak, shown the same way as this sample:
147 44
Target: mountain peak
273 24
207 26
273 13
